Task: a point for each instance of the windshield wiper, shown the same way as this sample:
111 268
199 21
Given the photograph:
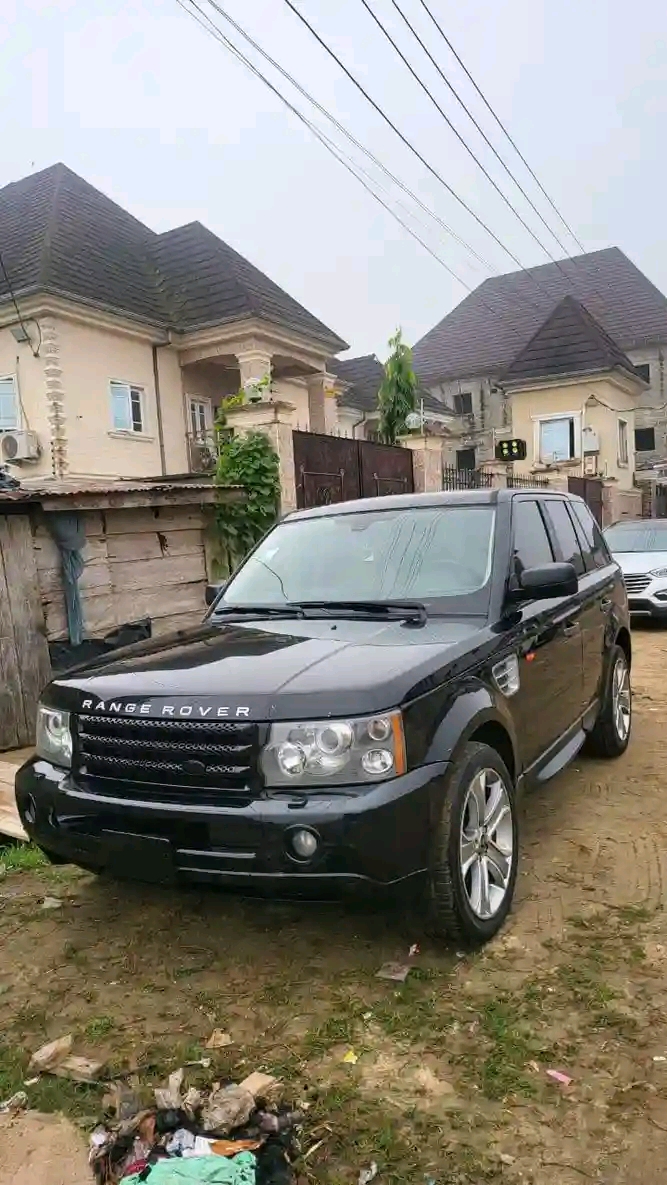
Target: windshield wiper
412 611
286 610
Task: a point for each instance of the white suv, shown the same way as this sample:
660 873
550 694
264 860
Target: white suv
640 548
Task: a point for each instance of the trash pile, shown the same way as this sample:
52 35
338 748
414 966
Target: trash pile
228 1135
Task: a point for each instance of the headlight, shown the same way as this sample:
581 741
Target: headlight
335 751
54 739
659 572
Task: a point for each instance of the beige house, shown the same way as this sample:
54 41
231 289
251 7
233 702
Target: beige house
573 395
117 344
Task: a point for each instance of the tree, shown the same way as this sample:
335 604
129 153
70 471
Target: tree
396 397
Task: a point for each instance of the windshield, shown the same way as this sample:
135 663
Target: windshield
648 536
385 555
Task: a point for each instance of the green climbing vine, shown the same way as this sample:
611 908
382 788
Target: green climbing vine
251 462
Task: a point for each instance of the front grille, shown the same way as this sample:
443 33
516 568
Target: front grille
636 584
159 752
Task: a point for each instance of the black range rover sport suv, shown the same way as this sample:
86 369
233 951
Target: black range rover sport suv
363 705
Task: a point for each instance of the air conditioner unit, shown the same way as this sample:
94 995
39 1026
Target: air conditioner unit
19 445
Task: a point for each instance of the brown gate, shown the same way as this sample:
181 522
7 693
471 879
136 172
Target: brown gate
590 489
335 468
24 653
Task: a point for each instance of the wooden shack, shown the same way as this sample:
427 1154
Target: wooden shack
147 554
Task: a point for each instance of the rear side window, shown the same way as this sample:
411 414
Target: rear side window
567 543
596 553
530 542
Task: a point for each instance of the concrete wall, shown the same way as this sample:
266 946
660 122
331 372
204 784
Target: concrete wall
66 399
574 398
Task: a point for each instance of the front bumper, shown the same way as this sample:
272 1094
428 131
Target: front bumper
379 838
651 602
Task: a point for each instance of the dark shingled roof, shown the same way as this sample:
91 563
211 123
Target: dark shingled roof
365 375
58 234
569 342
483 333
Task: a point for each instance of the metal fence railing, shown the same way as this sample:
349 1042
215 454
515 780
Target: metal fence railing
465 479
516 481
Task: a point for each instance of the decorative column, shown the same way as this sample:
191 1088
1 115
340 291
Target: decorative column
254 365
426 462
275 421
322 406
55 397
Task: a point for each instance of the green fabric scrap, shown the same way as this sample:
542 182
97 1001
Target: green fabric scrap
199 1170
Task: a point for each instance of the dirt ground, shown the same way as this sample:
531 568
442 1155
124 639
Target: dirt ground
451 1081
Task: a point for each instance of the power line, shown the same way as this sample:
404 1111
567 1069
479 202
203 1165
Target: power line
502 126
17 310
205 21
462 140
401 136
213 29
480 129
341 128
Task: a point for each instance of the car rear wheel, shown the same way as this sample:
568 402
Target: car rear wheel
476 848
611 733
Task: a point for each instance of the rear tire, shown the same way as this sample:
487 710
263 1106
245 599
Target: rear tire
611 733
476 849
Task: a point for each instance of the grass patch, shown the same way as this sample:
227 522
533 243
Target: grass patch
74 1099
99 1027
22 857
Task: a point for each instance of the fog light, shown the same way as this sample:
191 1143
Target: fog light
304 844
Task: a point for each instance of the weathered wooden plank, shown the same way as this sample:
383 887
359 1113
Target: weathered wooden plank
99 616
152 545
177 621
27 620
165 573
129 500
95 575
47 555
173 518
165 602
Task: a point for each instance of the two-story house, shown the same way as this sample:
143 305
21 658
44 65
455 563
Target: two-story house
118 344
461 358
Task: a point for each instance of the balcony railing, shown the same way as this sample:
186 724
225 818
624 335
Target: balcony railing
203 451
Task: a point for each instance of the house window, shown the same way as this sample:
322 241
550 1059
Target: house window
200 417
557 437
645 371
644 440
9 404
623 442
463 403
465 458
127 407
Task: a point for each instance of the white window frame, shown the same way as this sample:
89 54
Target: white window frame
199 401
131 388
11 378
623 439
538 420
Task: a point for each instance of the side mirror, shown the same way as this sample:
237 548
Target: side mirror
541 584
213 590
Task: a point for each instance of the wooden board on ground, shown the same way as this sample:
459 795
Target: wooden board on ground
24 654
10 823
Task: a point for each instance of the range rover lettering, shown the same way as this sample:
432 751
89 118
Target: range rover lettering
363 705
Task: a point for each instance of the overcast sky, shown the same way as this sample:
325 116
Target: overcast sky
145 105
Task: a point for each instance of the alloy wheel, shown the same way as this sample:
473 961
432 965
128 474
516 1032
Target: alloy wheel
486 843
621 698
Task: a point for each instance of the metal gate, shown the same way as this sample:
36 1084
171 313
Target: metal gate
590 489
24 654
335 468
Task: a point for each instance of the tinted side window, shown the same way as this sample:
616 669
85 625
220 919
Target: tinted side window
566 539
531 547
598 554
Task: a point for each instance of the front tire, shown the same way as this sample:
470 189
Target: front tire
476 849
611 733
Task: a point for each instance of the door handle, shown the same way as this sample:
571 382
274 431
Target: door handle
570 630
605 604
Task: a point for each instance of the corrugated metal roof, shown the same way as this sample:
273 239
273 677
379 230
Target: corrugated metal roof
35 492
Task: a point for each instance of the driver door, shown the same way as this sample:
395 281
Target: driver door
548 642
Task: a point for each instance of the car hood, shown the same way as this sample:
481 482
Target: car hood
636 562
280 669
